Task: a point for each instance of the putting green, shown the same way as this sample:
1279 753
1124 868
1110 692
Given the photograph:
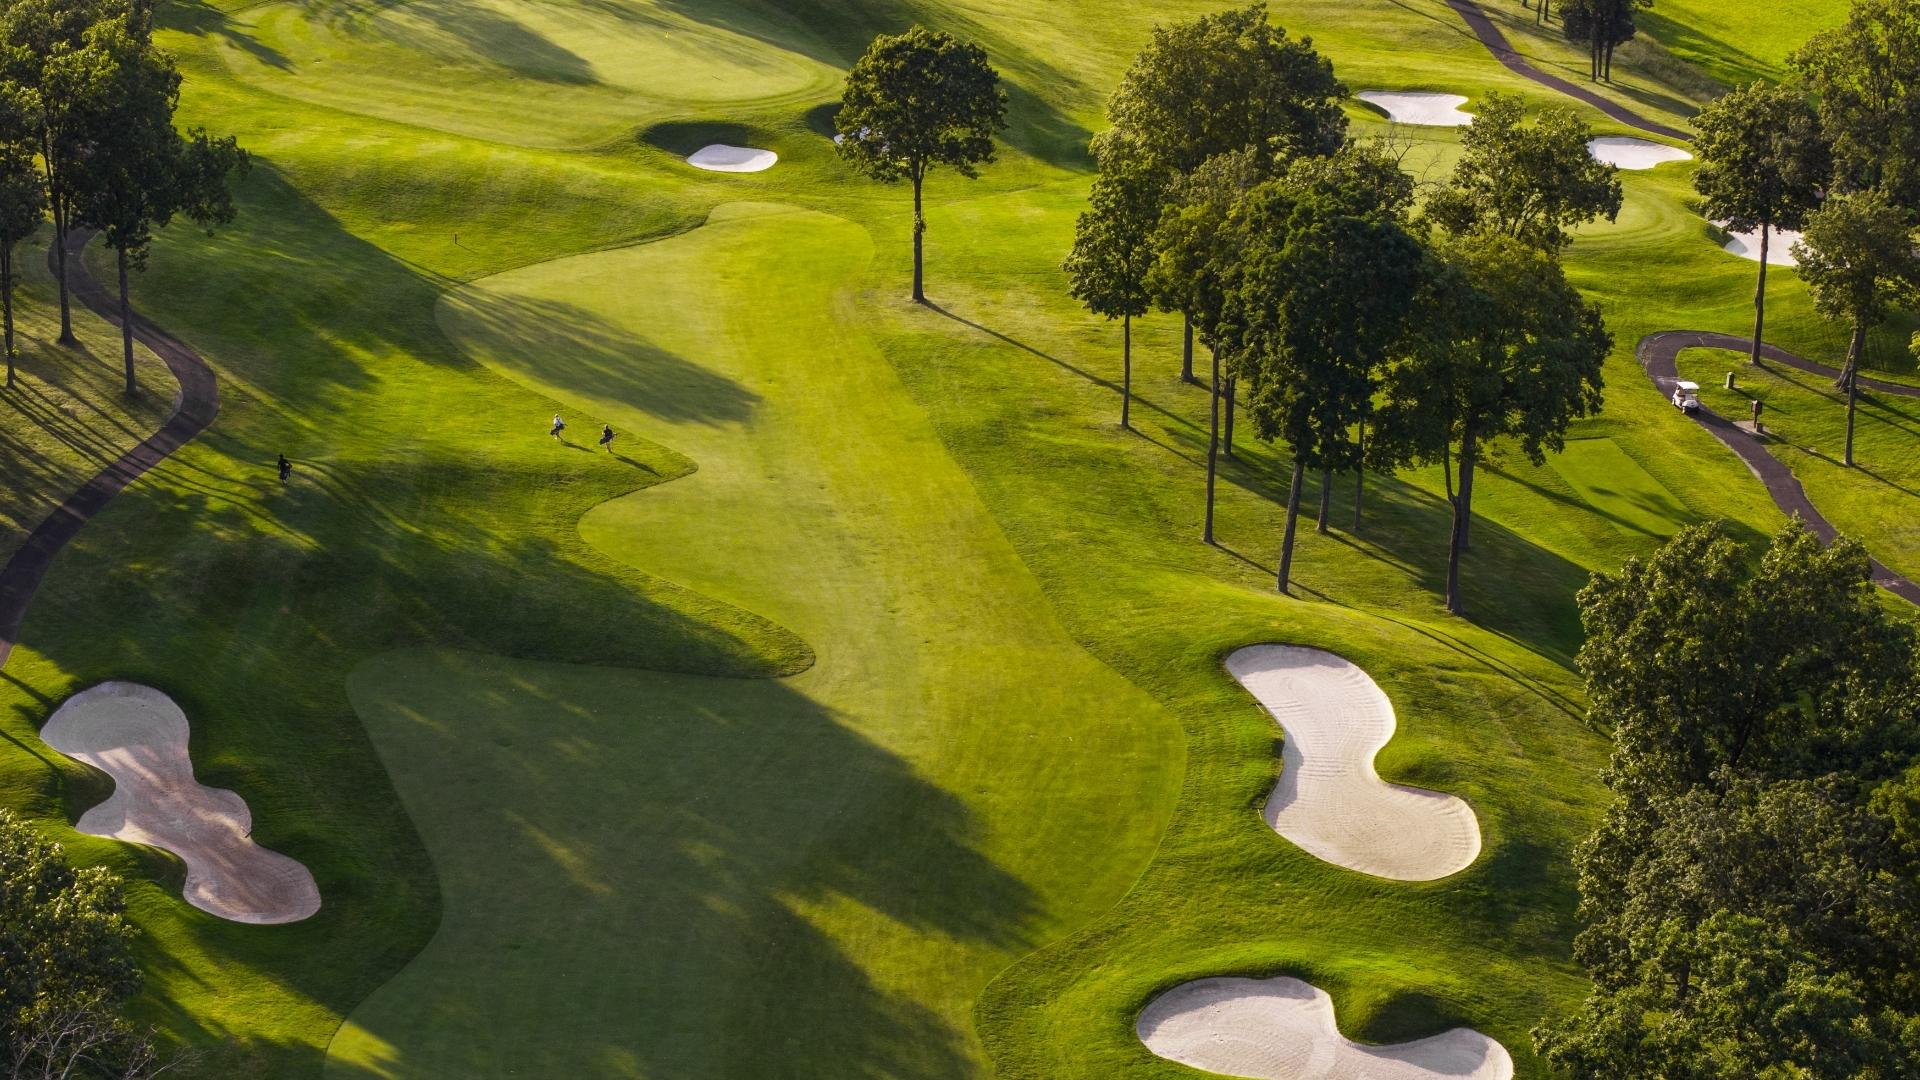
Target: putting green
667 875
536 72
1615 485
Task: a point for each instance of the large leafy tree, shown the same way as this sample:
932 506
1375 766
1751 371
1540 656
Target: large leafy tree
134 172
1529 182
1324 280
1226 83
916 101
23 201
1859 258
1603 26
66 966
1752 899
1113 244
35 37
1763 160
1866 74
1507 350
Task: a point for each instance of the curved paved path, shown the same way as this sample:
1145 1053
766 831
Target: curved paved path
1659 353
1503 51
198 403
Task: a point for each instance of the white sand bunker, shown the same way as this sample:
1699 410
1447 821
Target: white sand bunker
1412 107
719 157
1623 152
1329 800
1283 1029
1779 245
138 736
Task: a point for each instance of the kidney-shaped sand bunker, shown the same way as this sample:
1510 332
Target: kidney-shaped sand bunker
138 736
1283 1029
1329 800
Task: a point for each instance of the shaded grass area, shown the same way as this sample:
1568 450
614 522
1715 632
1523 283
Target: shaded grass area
795 753
68 415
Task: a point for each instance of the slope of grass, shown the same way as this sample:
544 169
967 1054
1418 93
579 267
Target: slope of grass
770 769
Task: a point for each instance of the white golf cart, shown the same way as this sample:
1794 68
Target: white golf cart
1686 397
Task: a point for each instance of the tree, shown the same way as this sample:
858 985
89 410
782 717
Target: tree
34 36
1507 349
1194 261
1227 83
1113 245
1751 900
66 966
23 202
1763 160
135 171
1321 283
915 101
1866 75
1530 183
1858 257
1603 25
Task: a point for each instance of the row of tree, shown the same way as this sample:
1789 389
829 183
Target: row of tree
1835 153
1367 334
87 135
1751 901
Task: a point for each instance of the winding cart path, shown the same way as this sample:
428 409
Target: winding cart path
198 403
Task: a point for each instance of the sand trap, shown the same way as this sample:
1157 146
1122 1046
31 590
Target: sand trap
1779 245
1283 1029
138 736
1329 800
1624 152
1427 110
719 157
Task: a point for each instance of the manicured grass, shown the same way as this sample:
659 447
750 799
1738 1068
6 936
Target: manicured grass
68 414
1736 43
864 715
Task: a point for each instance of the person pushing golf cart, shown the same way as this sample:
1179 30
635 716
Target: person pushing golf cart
1686 397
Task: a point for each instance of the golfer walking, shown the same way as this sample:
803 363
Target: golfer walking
606 437
559 426
286 469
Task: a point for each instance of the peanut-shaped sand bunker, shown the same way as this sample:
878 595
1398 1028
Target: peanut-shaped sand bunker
1329 800
1283 1029
138 736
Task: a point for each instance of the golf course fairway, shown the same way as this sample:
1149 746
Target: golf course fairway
827 867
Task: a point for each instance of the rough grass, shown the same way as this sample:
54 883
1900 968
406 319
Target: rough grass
864 715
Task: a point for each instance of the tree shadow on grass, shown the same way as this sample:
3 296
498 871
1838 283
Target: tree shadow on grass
675 835
458 32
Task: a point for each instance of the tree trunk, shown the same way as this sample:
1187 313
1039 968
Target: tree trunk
1186 350
1213 446
1852 377
1326 500
1126 369
1760 294
1293 518
1360 471
919 232
1232 396
60 270
126 325
1462 513
6 301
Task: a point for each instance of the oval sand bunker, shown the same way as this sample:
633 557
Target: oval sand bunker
1329 800
1283 1029
1779 245
1624 152
1414 107
138 736
719 157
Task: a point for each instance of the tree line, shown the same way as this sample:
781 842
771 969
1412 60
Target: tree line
87 137
1834 152
1367 332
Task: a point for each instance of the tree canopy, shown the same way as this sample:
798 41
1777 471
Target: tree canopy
915 101
1750 899
1531 183
1866 74
1113 243
23 199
